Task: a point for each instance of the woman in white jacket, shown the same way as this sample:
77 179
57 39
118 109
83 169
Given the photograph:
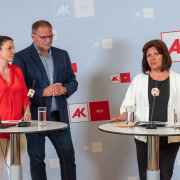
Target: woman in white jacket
156 65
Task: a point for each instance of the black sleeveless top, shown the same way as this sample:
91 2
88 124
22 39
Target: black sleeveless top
161 101
160 108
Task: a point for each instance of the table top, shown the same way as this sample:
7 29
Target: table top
34 128
140 131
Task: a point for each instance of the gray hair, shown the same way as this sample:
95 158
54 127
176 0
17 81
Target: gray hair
37 24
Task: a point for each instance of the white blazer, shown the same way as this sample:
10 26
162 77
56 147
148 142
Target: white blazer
137 97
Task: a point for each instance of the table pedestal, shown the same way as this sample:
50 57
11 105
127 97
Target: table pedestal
153 171
15 142
15 166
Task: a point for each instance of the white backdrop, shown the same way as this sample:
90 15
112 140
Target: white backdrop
104 39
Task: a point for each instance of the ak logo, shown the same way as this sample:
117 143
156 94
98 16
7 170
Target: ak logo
175 47
114 78
91 147
96 44
172 41
78 112
143 13
86 147
63 9
101 44
67 9
137 14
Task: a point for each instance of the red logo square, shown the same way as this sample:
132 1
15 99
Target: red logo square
74 66
172 41
99 111
125 77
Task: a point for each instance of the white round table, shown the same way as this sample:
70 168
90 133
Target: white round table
153 171
34 128
15 140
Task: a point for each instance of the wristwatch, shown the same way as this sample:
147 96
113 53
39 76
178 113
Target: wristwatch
65 90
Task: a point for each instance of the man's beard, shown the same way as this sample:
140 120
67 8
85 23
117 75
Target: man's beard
46 47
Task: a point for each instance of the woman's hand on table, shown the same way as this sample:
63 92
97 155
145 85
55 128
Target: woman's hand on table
27 113
27 117
120 118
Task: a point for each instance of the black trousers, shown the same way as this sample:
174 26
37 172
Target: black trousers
167 156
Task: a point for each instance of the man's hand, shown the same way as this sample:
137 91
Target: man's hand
58 89
120 118
48 91
54 90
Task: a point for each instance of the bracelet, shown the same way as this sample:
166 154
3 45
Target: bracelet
28 114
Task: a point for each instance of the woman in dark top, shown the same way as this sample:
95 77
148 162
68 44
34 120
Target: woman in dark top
156 65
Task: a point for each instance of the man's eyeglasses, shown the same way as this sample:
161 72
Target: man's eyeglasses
45 37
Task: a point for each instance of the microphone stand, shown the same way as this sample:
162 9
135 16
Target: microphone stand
24 123
25 109
152 125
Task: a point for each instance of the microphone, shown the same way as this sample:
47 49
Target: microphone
30 94
155 92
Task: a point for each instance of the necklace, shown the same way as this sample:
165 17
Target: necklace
158 75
